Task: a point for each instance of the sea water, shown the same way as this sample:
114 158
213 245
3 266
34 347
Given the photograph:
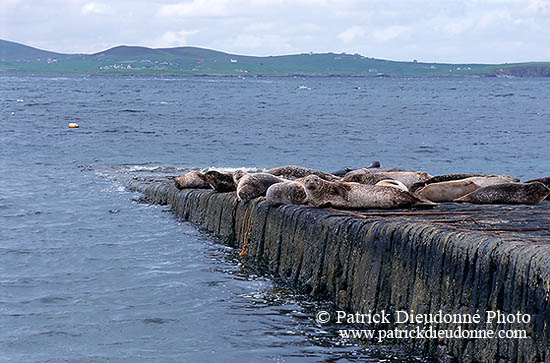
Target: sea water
87 273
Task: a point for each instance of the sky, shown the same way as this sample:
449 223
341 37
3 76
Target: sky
476 31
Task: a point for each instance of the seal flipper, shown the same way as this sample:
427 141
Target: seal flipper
343 190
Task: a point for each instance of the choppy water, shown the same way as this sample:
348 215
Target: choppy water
88 274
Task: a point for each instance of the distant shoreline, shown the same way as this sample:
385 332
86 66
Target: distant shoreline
193 61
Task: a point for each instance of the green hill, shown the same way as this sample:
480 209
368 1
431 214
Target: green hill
199 61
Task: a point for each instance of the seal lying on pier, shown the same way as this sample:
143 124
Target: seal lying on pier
442 178
255 185
289 192
295 172
358 196
392 183
364 176
545 181
220 182
447 191
342 172
485 181
508 193
237 175
192 179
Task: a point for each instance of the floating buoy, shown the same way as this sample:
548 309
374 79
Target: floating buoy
73 125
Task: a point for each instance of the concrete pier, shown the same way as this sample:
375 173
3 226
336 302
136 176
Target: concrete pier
494 258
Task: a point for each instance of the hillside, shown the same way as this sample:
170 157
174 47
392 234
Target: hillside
198 61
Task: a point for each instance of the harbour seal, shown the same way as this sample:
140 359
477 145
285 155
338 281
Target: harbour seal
545 181
342 172
254 185
448 191
489 180
408 178
392 183
192 179
362 177
442 178
508 193
220 182
358 196
292 172
289 192
237 175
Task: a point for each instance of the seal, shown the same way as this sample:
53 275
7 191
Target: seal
545 181
237 175
288 192
192 179
392 183
447 191
220 182
408 178
485 181
364 177
442 178
508 193
292 172
359 196
342 172
255 185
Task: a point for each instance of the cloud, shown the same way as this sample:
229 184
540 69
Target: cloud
258 27
195 8
539 6
390 33
173 39
459 26
350 34
96 8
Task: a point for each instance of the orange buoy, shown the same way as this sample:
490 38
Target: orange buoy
73 125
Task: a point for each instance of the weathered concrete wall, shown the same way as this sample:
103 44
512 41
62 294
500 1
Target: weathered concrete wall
376 265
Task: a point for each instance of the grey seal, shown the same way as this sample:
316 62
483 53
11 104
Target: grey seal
220 182
508 193
255 185
288 192
358 196
192 179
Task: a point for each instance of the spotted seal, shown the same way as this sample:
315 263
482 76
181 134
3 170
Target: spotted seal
193 179
288 192
220 182
255 185
358 196
508 193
